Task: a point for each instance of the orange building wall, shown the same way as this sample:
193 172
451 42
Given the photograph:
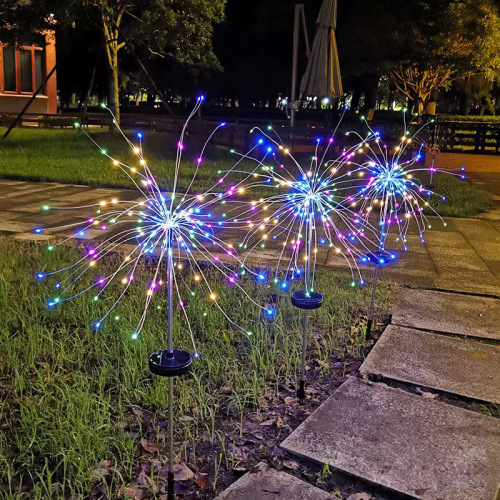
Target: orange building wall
11 102
50 61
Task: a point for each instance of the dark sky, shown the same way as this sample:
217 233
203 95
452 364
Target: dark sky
254 45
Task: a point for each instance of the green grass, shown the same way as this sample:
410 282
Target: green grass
66 389
462 199
68 156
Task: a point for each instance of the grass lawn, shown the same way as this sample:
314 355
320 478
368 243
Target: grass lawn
462 199
81 416
68 156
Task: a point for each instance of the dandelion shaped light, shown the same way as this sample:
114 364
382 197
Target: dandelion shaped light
177 228
395 189
311 210
395 186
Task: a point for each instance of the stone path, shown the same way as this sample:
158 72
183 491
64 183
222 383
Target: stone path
270 484
411 443
423 448
464 256
456 365
448 312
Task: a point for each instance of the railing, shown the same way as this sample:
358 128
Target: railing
469 137
450 136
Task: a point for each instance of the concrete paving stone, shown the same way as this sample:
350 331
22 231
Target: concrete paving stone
446 238
462 280
448 312
487 249
264 483
8 182
34 194
80 197
46 219
10 216
15 227
90 234
492 215
456 365
473 228
458 258
494 267
412 242
417 446
32 237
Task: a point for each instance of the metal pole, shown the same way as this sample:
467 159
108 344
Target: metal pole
171 485
433 152
171 490
381 247
169 285
295 55
301 392
372 304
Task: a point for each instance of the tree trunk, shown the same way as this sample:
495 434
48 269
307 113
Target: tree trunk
114 87
467 102
430 105
371 91
356 96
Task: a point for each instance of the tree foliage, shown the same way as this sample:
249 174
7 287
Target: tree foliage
442 41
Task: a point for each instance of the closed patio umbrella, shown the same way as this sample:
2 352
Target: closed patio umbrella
322 77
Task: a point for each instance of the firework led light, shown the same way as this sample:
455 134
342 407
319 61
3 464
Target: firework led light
314 211
170 226
394 189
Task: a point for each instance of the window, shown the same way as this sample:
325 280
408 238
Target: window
26 71
9 69
23 69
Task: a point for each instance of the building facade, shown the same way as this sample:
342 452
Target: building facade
23 68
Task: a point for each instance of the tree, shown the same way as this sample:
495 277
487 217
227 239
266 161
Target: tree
179 29
111 14
441 42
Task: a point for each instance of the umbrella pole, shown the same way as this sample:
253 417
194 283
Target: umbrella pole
295 56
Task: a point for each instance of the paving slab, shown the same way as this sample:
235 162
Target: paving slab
270 484
32 237
468 282
448 312
410 444
455 365
15 227
28 191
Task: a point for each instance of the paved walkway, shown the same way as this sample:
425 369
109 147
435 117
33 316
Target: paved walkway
464 256
399 434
